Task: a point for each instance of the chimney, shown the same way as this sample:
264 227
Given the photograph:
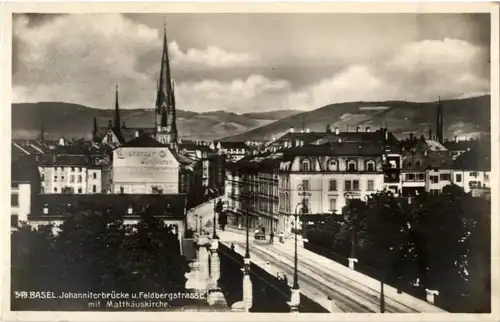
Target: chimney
337 131
308 130
46 209
130 210
291 130
367 129
339 140
357 128
61 141
137 133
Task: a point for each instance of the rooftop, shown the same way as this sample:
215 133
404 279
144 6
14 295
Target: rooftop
170 205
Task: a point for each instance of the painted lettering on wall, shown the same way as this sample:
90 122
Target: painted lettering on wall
150 157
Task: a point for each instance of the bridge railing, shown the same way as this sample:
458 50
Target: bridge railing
270 294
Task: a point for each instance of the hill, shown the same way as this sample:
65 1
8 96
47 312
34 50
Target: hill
469 116
73 120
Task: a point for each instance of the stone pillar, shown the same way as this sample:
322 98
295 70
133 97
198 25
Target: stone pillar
247 286
430 295
351 262
215 295
203 275
294 301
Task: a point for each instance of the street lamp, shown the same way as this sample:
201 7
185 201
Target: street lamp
215 209
348 196
295 296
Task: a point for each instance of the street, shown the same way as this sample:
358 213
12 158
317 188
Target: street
319 277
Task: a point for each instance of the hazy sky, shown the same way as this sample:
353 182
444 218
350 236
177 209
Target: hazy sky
248 62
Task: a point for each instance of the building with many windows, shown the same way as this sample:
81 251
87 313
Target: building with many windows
25 186
71 169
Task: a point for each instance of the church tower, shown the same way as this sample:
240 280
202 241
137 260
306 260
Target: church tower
166 127
439 122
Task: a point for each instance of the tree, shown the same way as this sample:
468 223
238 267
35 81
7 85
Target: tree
95 251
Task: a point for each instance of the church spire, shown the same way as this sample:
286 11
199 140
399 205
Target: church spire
42 133
117 122
439 122
163 101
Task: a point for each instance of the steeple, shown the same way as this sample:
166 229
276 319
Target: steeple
439 122
117 122
166 127
94 129
42 133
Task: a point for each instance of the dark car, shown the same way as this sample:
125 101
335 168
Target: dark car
259 234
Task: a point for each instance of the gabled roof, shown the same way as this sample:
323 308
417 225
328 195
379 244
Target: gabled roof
143 141
478 160
336 149
306 137
25 169
233 145
170 205
377 136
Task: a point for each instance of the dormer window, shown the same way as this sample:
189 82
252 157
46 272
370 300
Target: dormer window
332 165
370 166
305 165
351 165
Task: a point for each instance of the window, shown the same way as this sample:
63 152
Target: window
42 177
409 164
434 179
420 176
72 169
306 165
79 190
370 185
351 185
333 185
62 178
94 175
458 177
434 191
79 178
14 199
305 185
110 137
55 189
474 184
370 166
410 177
332 165
417 164
14 220
94 188
55 178
351 165
473 174
71 178
122 190
333 204
355 185
445 177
